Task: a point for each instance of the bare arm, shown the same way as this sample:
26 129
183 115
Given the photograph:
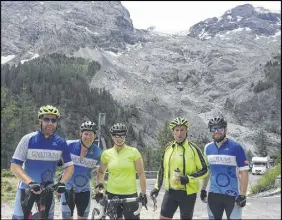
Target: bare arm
19 172
244 179
68 171
140 171
101 172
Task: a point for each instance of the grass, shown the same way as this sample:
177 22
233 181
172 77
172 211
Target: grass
8 187
267 181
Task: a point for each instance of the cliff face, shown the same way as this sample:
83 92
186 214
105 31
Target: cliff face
228 65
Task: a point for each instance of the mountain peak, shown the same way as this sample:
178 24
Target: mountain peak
258 21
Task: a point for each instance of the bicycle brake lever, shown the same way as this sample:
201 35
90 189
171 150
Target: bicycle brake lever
146 207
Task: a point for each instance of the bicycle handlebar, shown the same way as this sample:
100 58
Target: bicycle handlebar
103 202
44 188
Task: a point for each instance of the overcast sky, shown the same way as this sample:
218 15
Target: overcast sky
175 16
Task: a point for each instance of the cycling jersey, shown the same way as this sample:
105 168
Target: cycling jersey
39 156
121 168
223 163
83 166
189 161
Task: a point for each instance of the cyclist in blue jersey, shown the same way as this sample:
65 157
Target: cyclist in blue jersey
86 157
35 161
228 174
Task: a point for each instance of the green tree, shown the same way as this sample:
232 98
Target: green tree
164 135
249 155
261 144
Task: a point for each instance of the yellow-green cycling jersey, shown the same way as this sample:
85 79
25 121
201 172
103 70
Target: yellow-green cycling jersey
189 159
121 168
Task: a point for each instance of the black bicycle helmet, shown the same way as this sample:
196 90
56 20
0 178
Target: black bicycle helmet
118 129
88 126
217 121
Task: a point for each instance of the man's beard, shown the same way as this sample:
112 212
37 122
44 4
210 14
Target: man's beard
219 138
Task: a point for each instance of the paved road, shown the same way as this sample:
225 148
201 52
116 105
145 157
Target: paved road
256 208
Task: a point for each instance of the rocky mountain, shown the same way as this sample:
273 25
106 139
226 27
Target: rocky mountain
232 71
257 21
34 27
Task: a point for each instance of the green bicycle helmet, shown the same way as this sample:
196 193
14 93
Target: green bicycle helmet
48 110
178 122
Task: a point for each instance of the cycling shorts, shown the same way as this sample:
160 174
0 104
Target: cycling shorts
127 210
174 198
21 196
81 200
217 203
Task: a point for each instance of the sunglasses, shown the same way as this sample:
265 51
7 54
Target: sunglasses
218 129
119 136
53 120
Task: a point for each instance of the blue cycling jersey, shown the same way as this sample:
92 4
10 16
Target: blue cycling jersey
83 166
39 156
224 163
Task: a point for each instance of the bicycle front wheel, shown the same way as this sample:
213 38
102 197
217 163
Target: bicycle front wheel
95 213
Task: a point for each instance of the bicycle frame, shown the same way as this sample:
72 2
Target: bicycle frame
112 204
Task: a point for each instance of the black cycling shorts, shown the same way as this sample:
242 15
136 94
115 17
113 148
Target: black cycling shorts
80 200
217 203
174 198
28 199
127 210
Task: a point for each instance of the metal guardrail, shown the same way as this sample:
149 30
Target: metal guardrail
149 174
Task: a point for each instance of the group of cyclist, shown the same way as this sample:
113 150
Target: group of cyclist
183 166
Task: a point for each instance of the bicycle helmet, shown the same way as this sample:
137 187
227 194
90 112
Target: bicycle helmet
118 129
48 110
217 121
88 126
178 122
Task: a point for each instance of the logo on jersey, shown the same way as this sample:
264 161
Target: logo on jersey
40 154
222 159
85 162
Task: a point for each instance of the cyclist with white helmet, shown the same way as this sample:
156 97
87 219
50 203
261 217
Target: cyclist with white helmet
35 161
122 162
182 166
86 156
225 158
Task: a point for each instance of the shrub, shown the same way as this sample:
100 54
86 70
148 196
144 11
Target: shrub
7 173
267 181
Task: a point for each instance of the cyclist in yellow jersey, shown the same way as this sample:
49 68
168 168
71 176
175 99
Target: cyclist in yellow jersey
182 167
122 162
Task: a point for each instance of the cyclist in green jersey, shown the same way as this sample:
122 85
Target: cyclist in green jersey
182 167
122 162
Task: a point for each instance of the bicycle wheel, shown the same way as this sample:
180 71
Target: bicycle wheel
35 216
95 213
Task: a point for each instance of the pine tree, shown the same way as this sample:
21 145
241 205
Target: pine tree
261 144
164 135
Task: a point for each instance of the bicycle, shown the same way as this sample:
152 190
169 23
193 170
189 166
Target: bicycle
40 201
154 203
108 207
